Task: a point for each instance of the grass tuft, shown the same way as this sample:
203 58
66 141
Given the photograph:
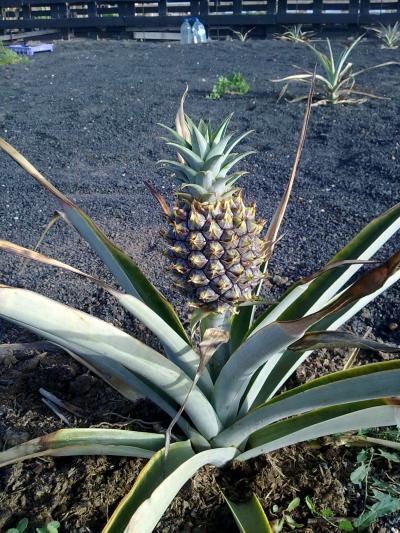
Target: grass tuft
234 84
8 57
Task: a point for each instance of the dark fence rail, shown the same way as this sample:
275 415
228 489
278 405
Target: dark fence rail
145 14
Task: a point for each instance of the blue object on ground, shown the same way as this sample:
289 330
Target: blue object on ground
32 49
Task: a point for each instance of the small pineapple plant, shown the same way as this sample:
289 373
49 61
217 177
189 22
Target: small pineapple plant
389 35
336 84
294 34
242 36
222 393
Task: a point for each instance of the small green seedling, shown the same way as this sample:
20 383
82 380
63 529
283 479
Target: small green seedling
286 517
242 36
294 34
51 527
385 494
336 84
338 524
234 84
20 527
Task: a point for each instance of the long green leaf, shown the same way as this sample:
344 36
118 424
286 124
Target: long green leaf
90 441
269 342
249 516
128 384
177 349
254 352
276 375
243 320
84 334
362 383
322 422
315 340
158 492
152 475
310 297
305 298
127 273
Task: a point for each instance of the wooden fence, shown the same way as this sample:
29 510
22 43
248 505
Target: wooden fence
119 15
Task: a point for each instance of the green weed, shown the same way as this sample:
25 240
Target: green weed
234 84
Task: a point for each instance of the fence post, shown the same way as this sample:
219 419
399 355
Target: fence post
364 7
92 9
281 11
125 9
203 8
354 11
194 8
162 8
271 7
237 7
317 8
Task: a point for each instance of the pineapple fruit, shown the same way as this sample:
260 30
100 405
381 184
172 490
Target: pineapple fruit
213 236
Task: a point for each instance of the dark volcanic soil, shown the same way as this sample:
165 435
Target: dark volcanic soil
86 116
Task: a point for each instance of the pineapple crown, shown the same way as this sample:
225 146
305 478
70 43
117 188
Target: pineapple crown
205 157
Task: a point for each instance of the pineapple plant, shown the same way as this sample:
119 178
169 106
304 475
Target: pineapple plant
232 409
213 236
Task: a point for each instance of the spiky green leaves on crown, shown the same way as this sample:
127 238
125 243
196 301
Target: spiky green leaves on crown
205 159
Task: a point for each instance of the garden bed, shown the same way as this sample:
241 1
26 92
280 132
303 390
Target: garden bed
86 117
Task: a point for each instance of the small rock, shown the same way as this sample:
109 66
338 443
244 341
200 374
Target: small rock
280 281
366 313
83 383
393 326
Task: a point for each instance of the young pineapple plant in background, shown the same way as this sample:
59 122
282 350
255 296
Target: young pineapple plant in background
389 35
295 34
336 84
242 36
223 392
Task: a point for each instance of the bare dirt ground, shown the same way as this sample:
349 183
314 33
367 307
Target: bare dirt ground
87 116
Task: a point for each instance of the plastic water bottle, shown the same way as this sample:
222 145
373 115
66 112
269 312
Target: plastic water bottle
199 32
186 32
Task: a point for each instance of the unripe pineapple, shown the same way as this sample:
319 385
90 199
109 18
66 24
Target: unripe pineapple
213 237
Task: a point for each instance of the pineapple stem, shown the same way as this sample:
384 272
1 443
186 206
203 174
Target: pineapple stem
218 321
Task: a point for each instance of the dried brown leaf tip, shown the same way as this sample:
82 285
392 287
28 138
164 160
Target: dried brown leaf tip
395 400
213 338
160 199
368 283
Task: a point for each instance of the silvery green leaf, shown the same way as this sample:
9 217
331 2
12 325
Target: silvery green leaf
127 273
91 441
159 482
322 422
86 335
360 383
249 516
